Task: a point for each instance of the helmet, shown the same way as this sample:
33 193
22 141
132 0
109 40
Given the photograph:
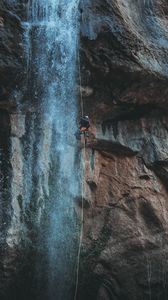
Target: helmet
87 117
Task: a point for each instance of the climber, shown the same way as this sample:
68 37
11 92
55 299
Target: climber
84 126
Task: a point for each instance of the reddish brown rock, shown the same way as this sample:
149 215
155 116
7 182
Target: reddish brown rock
124 54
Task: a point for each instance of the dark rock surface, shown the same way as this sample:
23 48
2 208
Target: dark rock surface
124 76
11 51
124 54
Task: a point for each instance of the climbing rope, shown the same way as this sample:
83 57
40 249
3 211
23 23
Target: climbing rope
80 84
81 233
82 187
80 78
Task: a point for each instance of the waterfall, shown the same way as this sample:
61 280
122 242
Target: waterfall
51 41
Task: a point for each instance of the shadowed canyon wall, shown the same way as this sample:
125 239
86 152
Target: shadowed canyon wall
123 56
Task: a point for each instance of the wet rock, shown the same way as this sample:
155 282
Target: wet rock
124 75
125 231
123 55
11 51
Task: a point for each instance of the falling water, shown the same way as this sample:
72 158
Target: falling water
51 39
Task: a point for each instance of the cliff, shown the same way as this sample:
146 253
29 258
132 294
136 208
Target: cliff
124 82
124 73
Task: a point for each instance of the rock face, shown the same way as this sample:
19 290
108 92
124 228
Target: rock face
124 54
11 51
124 73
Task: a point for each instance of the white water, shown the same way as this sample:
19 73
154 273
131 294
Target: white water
51 48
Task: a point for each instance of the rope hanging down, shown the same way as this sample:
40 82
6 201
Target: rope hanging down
80 85
83 191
